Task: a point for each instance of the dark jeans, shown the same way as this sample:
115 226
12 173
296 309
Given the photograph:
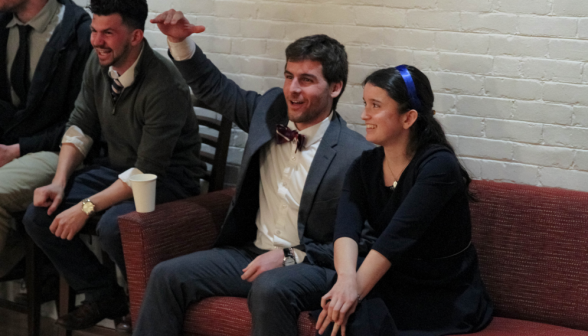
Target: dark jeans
275 298
73 259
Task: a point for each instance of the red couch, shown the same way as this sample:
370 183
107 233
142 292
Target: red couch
532 244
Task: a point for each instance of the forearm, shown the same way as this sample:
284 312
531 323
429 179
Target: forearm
69 159
117 192
345 256
371 271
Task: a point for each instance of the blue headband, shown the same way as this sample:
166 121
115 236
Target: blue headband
415 103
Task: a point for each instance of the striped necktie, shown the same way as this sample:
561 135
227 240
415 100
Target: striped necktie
116 89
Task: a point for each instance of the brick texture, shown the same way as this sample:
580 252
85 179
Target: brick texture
510 77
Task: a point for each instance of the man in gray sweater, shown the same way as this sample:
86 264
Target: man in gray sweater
138 102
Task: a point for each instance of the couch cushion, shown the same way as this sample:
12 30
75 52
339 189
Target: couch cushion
533 250
502 326
228 316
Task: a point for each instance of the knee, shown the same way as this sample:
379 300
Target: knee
36 221
108 231
164 274
268 290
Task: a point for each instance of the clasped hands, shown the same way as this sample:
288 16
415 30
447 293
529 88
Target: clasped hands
68 223
338 304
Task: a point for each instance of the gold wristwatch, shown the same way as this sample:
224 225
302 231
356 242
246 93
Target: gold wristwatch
88 207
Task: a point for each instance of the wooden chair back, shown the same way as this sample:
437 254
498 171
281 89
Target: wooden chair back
218 139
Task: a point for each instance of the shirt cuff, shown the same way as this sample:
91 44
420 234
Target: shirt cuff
182 51
126 175
75 136
299 255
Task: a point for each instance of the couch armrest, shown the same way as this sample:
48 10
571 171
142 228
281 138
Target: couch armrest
173 229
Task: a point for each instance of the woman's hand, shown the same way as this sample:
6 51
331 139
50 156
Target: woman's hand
338 304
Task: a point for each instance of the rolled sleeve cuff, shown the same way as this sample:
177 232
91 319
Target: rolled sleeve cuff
299 255
126 175
182 51
75 136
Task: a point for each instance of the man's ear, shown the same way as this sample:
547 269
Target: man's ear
136 37
409 118
336 89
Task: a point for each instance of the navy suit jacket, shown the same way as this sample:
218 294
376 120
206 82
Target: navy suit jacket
258 115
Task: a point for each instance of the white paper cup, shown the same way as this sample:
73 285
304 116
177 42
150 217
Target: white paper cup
143 186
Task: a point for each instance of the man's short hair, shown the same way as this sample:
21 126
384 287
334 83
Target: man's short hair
133 12
325 50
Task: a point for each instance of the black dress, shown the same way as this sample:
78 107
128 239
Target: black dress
423 227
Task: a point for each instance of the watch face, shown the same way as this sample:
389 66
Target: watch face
88 207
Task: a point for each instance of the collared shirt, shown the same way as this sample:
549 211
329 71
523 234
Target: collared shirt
283 175
74 135
43 24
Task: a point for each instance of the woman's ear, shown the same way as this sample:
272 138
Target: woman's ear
409 118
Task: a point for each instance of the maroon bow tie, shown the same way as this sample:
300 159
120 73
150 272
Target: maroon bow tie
284 134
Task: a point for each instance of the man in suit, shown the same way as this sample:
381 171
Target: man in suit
275 246
44 45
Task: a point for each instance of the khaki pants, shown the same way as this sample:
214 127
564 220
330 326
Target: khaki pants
18 181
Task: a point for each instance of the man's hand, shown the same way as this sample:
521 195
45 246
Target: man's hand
175 25
49 196
8 153
265 262
68 223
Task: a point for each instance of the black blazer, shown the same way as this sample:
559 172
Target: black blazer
54 88
258 115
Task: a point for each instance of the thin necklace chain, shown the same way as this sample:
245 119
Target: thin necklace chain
391 172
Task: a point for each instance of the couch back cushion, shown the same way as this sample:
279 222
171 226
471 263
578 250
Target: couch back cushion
533 250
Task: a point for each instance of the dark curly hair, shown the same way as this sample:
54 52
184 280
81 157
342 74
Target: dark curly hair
133 12
325 50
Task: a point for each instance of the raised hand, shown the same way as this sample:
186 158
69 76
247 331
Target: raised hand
175 25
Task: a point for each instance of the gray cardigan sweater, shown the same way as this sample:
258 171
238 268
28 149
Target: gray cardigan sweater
152 125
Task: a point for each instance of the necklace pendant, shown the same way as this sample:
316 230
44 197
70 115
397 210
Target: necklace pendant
394 184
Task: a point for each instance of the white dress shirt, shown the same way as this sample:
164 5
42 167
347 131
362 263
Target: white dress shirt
74 135
283 175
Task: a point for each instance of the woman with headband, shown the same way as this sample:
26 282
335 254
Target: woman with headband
421 275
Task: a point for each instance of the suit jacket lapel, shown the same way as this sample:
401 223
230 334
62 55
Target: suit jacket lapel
4 85
49 60
262 131
320 164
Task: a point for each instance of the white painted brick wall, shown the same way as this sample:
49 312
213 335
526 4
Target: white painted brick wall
510 77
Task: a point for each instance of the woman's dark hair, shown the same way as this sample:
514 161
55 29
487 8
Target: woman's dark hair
426 130
133 12
325 50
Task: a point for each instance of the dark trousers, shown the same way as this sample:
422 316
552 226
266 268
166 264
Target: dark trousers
275 298
73 259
